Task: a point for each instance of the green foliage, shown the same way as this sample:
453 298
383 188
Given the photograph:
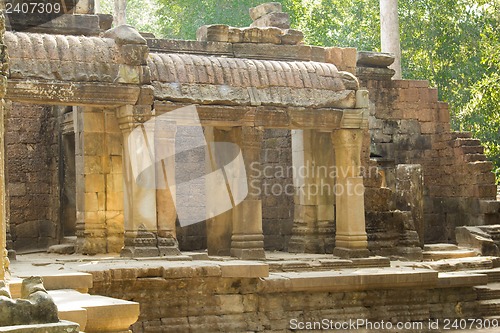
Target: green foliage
189 15
337 23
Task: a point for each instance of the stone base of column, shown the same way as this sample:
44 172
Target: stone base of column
91 241
140 244
149 244
248 246
168 246
320 239
346 253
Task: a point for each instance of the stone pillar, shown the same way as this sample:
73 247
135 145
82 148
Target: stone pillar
350 237
164 145
219 227
313 161
410 196
389 33
99 192
120 12
247 241
139 191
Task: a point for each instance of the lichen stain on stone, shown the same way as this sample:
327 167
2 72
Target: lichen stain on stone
48 91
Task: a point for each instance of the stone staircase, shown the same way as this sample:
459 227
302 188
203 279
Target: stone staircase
452 261
433 252
489 295
472 149
93 313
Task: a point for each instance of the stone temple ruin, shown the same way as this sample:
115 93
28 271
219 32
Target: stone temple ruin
338 169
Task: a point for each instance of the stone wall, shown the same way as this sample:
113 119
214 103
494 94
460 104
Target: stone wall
207 298
277 204
408 125
32 171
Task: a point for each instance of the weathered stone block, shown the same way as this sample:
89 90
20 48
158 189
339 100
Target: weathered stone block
373 59
278 20
213 33
264 9
292 37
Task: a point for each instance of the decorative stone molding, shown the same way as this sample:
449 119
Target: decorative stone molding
231 81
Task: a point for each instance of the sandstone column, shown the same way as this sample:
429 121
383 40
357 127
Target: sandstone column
139 188
350 237
219 227
313 161
99 192
389 33
247 241
164 145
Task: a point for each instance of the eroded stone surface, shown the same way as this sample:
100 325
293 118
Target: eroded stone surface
34 307
372 59
264 9
278 20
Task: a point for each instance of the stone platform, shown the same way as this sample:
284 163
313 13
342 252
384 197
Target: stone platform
200 293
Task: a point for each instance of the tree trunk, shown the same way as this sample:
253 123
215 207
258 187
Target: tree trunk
389 33
120 12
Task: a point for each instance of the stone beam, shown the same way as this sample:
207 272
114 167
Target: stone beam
271 117
69 93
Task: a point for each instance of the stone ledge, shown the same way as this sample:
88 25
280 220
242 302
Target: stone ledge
244 269
460 279
351 280
343 58
103 314
79 281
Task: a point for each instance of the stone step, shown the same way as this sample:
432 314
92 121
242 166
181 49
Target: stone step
95 313
489 291
490 207
489 307
493 274
440 247
69 240
474 157
464 135
459 142
453 254
474 265
460 279
77 281
320 264
473 149
62 249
